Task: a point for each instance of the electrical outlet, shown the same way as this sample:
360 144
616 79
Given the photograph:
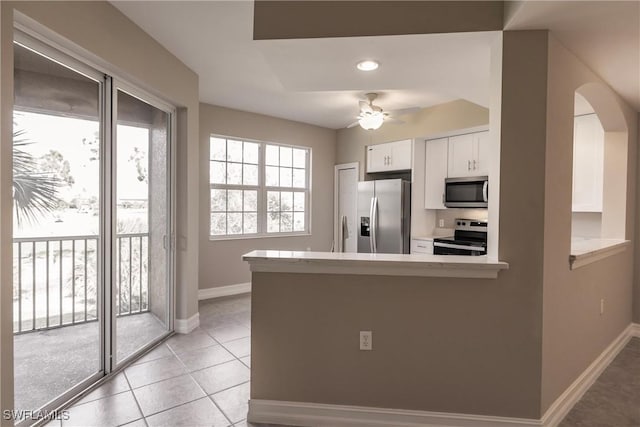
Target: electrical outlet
441 223
601 306
366 342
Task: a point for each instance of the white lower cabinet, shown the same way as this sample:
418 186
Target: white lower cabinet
422 246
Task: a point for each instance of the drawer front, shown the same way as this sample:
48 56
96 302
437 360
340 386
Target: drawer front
419 246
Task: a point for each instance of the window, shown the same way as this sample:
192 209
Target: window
257 188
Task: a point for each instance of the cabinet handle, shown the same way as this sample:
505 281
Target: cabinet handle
468 165
474 165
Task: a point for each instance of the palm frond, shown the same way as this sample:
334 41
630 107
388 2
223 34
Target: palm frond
34 193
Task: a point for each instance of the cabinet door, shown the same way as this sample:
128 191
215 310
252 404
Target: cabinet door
435 172
461 156
480 162
588 164
422 246
378 157
400 155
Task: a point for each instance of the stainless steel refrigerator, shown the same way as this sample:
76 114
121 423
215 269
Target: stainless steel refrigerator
384 210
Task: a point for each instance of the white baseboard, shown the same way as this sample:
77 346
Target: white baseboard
224 291
563 404
184 326
317 414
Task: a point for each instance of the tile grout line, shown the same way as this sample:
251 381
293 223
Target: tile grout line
206 395
236 358
144 420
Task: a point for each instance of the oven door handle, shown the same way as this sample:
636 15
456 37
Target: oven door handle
452 246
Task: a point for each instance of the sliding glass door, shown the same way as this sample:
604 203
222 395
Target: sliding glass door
142 226
57 289
93 262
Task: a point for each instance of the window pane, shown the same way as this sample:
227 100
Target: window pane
250 175
286 221
299 158
285 156
272 177
273 201
218 200
298 201
218 224
251 150
285 177
217 172
234 173
250 223
251 201
299 178
217 148
234 201
234 151
286 201
273 222
272 155
234 225
298 221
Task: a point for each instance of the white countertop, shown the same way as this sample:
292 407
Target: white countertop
585 250
374 264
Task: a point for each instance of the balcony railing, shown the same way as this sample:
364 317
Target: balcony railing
55 280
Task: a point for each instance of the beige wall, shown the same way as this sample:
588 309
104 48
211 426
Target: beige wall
303 19
110 40
446 117
574 332
220 261
439 344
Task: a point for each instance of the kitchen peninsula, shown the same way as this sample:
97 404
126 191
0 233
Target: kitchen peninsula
420 265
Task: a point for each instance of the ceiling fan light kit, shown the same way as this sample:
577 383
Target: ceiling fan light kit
371 121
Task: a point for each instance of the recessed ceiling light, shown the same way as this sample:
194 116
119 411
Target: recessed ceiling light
368 65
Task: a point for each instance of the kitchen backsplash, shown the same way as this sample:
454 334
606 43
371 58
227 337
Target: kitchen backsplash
449 215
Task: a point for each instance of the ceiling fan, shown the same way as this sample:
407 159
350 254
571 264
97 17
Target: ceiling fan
372 116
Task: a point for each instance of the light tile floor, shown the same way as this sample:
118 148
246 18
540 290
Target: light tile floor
202 379
198 379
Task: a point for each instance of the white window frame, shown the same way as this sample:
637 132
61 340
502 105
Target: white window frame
262 190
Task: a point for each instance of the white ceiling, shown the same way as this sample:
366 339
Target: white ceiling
315 80
604 34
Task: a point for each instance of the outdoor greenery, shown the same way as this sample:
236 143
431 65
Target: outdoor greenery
35 192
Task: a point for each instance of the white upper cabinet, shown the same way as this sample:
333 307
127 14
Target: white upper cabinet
468 155
588 164
390 156
435 173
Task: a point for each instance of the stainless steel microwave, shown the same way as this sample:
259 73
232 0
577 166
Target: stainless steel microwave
468 192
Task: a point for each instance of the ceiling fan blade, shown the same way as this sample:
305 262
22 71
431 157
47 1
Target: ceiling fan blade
356 123
404 111
365 107
393 120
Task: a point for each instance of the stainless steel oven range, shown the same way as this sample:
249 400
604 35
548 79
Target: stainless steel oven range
470 238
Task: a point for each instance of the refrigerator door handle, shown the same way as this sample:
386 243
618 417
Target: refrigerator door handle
374 224
371 225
